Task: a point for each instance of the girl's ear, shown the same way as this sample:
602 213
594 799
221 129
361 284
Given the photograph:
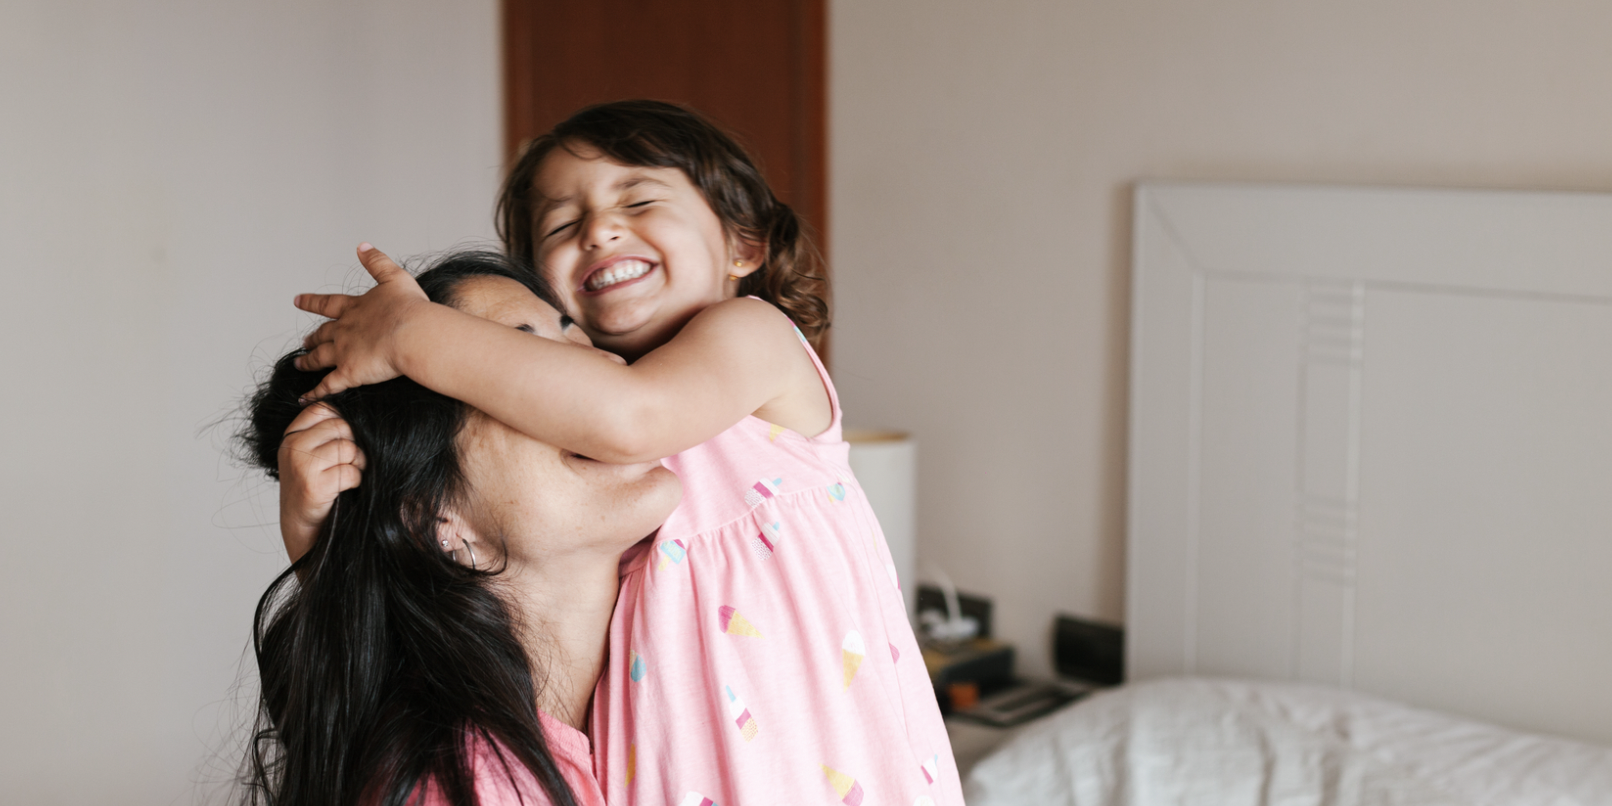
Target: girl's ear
747 257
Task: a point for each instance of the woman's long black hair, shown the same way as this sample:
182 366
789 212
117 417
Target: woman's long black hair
388 663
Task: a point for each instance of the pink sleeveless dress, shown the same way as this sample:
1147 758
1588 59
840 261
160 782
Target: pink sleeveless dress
760 651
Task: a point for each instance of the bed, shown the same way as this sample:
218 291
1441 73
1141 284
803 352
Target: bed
1370 507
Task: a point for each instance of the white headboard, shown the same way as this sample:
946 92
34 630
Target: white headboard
1371 445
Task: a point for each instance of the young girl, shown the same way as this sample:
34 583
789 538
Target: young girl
760 650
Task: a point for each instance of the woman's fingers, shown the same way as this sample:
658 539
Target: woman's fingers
321 454
336 452
327 442
314 415
344 477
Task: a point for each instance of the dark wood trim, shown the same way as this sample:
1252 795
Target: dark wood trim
757 67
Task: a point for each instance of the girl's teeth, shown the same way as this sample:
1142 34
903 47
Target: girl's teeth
619 273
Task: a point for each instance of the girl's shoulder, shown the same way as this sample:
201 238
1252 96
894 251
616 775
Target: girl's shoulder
750 332
743 316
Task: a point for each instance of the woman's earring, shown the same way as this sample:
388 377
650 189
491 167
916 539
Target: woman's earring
447 544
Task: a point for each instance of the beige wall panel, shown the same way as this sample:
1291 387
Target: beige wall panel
982 160
170 174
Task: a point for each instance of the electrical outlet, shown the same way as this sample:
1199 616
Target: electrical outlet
974 607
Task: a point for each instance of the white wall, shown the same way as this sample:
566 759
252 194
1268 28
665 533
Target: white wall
170 174
982 160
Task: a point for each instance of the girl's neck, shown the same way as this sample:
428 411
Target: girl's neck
563 606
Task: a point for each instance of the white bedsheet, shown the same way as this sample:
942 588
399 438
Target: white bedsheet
1204 741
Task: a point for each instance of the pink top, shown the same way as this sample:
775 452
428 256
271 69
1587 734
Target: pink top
494 787
760 650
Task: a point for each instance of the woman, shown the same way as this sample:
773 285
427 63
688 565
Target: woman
450 621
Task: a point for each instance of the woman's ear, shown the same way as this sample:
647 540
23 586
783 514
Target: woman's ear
457 539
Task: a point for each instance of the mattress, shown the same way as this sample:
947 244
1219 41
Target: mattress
1212 741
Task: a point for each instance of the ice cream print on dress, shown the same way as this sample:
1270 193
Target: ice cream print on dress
762 490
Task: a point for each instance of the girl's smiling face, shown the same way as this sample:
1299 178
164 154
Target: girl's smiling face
633 251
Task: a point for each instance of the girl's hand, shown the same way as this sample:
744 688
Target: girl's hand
318 460
357 339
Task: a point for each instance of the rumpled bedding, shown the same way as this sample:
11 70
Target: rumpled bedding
1208 741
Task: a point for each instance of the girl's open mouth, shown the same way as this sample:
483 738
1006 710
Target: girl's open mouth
615 274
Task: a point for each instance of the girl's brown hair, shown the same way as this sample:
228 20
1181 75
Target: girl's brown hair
662 135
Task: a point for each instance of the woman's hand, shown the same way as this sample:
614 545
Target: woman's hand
357 339
318 460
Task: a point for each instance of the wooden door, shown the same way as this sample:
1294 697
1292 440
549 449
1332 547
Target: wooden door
756 67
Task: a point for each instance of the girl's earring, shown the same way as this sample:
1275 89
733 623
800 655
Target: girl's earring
737 264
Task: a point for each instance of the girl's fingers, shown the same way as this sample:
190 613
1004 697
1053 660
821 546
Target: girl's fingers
320 357
378 264
334 383
321 334
330 305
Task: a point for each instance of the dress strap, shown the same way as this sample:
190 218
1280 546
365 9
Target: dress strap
832 433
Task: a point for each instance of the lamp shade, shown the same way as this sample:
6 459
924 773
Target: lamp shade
886 465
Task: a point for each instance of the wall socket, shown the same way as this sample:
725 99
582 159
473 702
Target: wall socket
975 607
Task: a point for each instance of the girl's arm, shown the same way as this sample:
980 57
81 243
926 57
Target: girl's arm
736 358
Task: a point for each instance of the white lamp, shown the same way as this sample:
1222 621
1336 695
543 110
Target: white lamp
886 465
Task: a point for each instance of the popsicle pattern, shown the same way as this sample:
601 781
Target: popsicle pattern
740 714
774 431
775 546
762 490
761 546
848 790
852 651
672 551
735 624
